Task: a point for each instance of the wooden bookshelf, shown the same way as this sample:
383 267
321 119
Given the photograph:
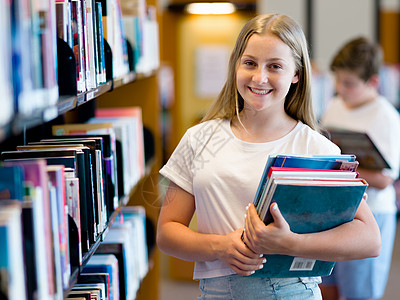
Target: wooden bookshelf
131 89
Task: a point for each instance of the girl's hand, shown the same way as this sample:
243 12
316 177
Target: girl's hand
236 255
275 238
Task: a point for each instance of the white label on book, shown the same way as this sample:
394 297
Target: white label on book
302 264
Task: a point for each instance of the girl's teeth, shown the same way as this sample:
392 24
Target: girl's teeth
259 92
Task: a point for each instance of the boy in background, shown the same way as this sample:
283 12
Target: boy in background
358 106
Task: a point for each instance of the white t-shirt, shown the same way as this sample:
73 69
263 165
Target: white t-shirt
223 172
380 120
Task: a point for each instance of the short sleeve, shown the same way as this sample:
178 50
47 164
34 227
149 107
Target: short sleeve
178 168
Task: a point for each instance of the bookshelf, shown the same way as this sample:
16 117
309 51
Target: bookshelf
136 85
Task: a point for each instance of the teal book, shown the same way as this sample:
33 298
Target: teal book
311 205
11 183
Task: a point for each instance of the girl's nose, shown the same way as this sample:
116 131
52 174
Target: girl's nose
260 75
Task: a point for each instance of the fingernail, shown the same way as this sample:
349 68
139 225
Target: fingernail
261 255
245 215
264 261
261 266
275 206
252 272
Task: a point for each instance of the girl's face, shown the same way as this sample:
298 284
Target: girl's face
265 73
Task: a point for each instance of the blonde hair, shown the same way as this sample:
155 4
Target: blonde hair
298 102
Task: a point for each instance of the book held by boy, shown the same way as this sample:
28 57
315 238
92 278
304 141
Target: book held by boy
361 144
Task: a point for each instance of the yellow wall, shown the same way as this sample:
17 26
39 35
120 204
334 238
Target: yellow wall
389 35
195 31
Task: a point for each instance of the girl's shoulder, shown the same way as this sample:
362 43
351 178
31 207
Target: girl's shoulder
207 127
316 142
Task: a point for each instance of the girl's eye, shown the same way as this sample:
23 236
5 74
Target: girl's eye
275 66
249 63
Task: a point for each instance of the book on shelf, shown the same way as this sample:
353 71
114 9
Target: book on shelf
101 61
118 242
97 290
113 33
103 278
73 158
124 167
80 295
85 40
26 67
141 30
106 145
105 263
80 26
74 210
360 144
11 182
46 14
150 58
90 46
136 215
133 115
105 131
78 46
6 79
12 272
55 239
38 246
132 34
129 137
64 21
14 187
98 165
312 200
93 161
58 202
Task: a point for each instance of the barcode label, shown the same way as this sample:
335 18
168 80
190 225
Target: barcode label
302 264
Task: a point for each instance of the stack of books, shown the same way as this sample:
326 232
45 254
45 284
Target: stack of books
314 193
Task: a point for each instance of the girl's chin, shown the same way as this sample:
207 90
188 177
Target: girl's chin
256 108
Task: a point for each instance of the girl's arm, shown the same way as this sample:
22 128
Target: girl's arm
175 238
357 239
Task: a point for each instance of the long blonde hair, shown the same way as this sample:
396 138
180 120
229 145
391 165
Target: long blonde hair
298 102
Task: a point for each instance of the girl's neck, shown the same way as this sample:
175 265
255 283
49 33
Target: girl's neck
259 128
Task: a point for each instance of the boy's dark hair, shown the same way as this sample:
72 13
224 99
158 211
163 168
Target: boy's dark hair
360 56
